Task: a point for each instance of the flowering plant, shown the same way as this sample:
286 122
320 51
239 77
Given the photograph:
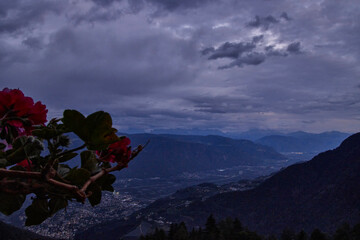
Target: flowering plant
27 168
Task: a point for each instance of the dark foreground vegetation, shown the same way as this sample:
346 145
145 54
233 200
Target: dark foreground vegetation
232 229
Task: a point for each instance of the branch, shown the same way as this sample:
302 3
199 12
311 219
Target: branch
79 194
100 174
20 187
19 174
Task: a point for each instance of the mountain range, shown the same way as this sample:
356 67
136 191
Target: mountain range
169 155
321 193
303 142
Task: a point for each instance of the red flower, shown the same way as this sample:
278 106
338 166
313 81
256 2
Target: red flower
119 152
20 111
25 164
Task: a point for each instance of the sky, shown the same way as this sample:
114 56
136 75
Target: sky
224 65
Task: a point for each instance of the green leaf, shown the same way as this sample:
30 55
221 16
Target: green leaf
67 157
46 132
23 148
63 170
10 203
37 212
110 179
14 156
95 130
75 122
106 182
108 188
20 141
56 204
64 141
95 197
99 124
89 161
78 176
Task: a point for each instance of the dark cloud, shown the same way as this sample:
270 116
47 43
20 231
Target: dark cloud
262 22
35 43
96 14
136 5
105 3
285 16
208 50
140 60
253 58
257 39
25 13
6 6
168 5
230 50
245 53
271 51
294 48
105 11
172 5
76 66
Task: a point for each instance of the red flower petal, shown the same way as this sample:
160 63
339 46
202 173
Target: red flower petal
25 164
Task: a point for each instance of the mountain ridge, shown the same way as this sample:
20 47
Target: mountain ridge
321 193
303 142
168 155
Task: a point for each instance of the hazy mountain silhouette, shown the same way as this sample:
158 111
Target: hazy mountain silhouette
303 142
321 193
168 155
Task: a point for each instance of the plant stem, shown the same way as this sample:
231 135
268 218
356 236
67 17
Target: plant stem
19 174
100 174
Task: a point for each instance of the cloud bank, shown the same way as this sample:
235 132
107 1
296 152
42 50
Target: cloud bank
207 64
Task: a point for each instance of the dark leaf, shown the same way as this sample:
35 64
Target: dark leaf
67 157
106 181
75 122
108 188
89 161
37 212
56 204
99 124
15 155
46 132
10 203
64 141
95 197
23 148
63 170
78 176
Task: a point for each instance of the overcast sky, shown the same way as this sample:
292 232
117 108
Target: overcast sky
228 65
